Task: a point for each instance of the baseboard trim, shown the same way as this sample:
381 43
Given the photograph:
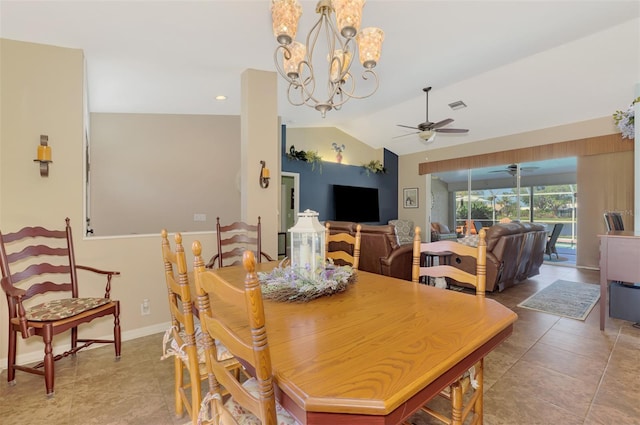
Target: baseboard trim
36 356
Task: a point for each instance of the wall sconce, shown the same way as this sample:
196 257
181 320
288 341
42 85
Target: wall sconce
44 155
264 176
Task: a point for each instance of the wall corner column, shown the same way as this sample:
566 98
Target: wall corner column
259 136
636 166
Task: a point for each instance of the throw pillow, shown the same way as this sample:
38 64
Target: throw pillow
471 240
404 231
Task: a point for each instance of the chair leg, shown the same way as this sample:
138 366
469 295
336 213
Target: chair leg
11 360
456 404
74 339
179 380
116 330
49 366
479 403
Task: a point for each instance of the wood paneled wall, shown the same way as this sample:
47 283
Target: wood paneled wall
581 147
605 183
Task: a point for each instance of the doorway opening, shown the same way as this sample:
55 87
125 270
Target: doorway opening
289 208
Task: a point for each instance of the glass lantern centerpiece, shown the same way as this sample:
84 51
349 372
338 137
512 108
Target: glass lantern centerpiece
308 243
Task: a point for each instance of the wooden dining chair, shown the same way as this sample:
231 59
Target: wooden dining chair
337 244
233 240
40 263
241 327
185 340
465 394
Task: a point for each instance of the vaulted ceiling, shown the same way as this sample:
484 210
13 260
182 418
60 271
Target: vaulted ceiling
518 65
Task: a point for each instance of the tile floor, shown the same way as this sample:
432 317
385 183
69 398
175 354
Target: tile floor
552 370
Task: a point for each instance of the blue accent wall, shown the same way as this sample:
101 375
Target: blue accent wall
316 187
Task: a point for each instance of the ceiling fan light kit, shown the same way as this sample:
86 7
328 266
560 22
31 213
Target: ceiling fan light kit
427 136
295 61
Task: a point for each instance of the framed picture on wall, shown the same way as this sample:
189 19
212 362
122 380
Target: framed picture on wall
410 197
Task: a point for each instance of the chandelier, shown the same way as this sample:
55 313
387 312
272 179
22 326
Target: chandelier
343 38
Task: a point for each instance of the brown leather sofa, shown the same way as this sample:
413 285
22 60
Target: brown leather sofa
515 252
379 249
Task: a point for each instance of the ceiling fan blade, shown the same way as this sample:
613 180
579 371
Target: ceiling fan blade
408 126
403 135
442 123
452 130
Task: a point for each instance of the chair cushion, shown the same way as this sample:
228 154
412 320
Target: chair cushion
63 308
245 417
404 230
177 350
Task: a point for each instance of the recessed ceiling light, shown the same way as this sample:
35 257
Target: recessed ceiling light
221 97
457 105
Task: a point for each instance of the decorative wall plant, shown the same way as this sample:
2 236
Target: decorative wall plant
311 157
375 167
625 120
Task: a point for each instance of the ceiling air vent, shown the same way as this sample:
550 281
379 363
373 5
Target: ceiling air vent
457 105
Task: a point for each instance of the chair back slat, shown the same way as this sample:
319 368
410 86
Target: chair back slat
34 232
35 251
40 269
239 238
238 225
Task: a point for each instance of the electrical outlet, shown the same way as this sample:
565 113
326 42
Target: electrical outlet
199 217
145 307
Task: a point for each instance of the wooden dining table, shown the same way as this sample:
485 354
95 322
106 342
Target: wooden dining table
376 352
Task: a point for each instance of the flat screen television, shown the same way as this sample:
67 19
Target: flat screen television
359 204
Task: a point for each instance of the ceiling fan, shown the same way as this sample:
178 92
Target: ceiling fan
427 130
513 169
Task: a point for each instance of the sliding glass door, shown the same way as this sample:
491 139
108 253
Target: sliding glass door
543 192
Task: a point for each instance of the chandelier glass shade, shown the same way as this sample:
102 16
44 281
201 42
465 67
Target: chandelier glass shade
333 59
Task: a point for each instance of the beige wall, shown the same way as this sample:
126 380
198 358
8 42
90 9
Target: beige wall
38 99
138 161
320 140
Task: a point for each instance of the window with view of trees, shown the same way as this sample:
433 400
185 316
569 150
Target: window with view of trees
551 204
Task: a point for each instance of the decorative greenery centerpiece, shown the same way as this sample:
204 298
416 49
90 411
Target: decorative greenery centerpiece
374 166
625 120
311 157
285 283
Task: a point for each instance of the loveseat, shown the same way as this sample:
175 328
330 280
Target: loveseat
515 252
379 249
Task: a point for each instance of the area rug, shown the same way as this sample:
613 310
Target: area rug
565 298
